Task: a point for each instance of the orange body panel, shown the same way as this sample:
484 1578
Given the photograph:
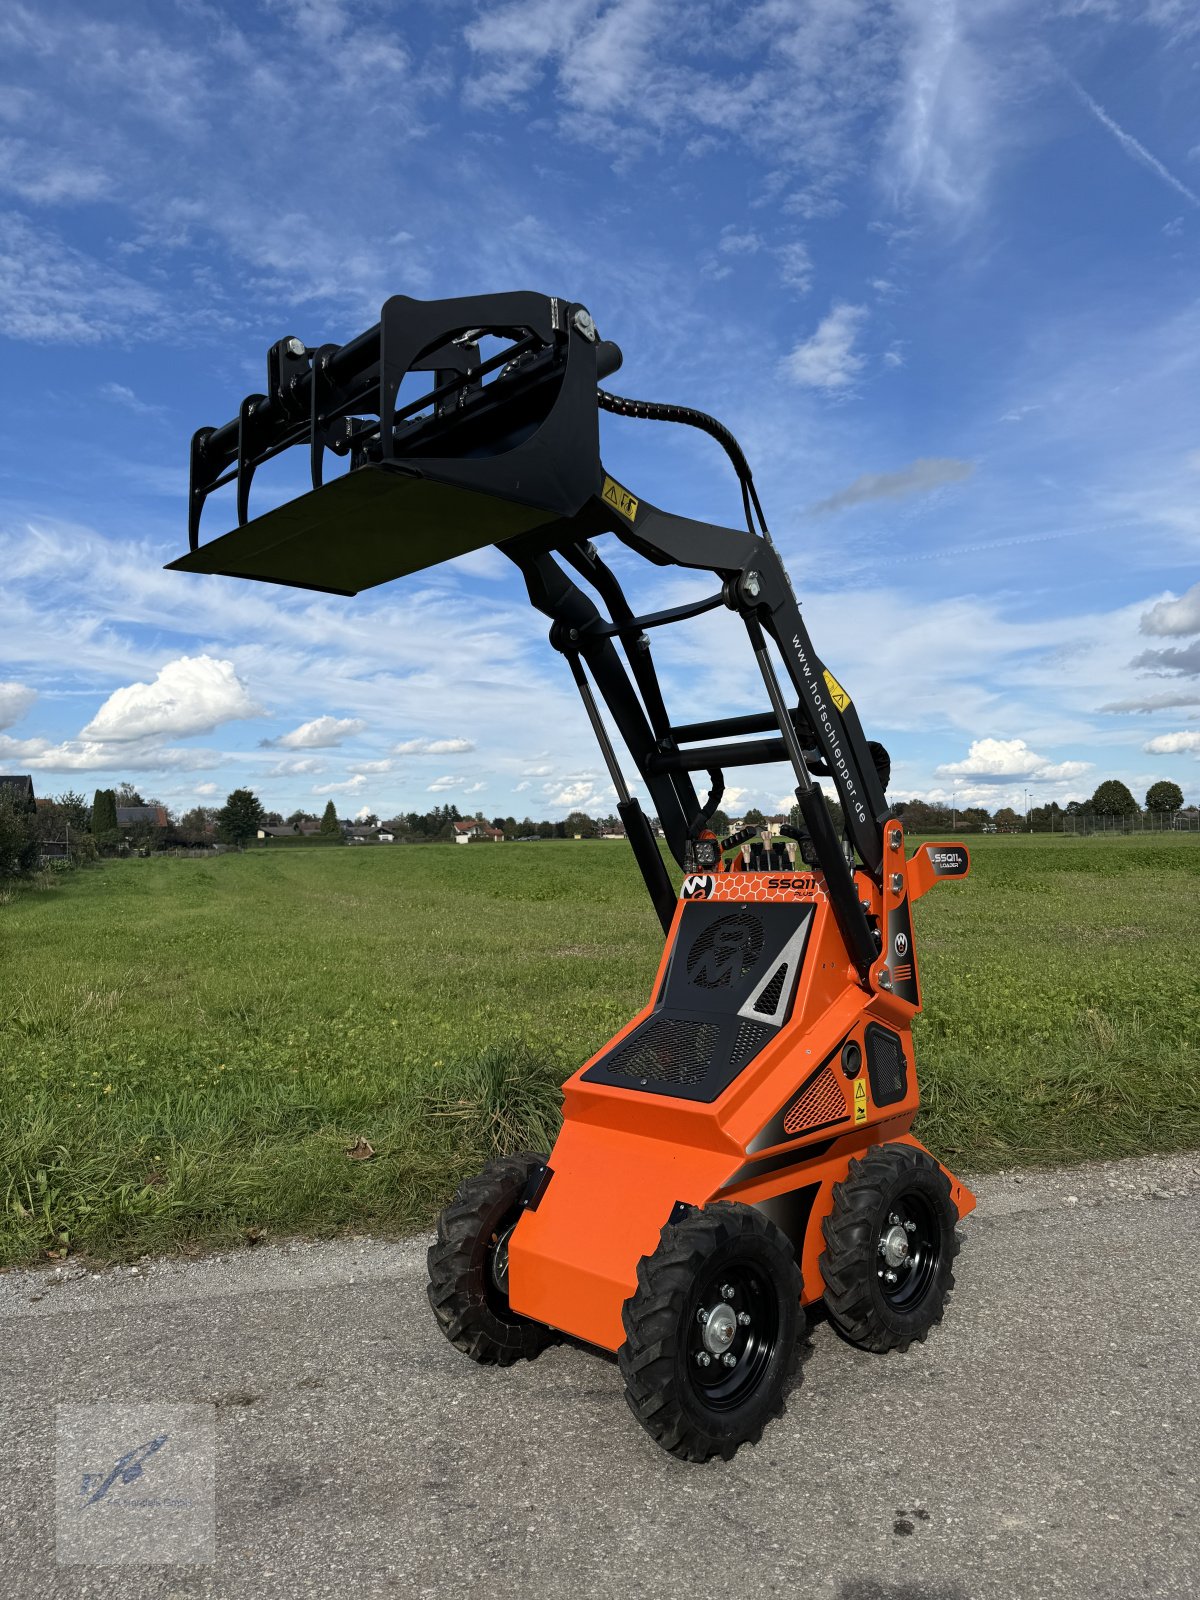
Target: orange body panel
627 1157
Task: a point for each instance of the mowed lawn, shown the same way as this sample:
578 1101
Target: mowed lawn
189 1048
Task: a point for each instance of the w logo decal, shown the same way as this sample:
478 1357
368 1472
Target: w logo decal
698 887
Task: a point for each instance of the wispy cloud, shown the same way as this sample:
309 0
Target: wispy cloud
925 474
1131 146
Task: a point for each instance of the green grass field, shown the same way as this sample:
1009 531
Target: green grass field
189 1047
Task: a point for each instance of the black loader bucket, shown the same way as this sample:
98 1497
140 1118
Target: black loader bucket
499 443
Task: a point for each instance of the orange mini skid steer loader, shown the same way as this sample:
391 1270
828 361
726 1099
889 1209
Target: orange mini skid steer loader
743 1147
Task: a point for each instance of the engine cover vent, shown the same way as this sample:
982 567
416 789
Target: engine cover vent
817 1105
887 1066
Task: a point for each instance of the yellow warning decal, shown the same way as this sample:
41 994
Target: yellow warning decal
836 693
620 499
860 1102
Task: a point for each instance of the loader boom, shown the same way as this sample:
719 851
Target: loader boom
500 445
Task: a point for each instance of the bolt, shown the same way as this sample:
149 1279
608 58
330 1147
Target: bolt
893 841
752 585
703 1358
885 978
729 1359
744 1319
726 1291
893 1219
897 883
702 1316
584 324
910 1227
890 1277
294 347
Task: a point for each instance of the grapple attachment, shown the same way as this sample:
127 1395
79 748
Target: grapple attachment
502 438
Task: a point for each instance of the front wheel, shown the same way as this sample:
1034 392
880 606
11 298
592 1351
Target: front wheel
712 1332
468 1267
889 1248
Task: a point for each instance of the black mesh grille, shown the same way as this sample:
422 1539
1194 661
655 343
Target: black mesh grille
667 1050
886 1066
768 1000
726 950
749 1040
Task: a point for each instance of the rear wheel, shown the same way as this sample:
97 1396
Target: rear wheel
889 1248
468 1267
712 1332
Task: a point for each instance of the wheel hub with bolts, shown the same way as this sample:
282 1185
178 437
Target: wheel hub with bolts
720 1327
908 1250
893 1246
733 1329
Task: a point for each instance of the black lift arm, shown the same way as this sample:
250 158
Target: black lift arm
500 445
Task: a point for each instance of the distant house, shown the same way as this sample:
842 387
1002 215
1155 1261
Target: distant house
309 825
141 816
20 790
475 828
284 832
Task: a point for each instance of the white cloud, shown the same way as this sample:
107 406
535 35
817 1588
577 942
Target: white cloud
206 788
308 764
828 359
85 755
15 701
1169 744
432 747
926 473
352 785
441 785
795 266
997 760
733 243
120 394
578 794
1174 617
322 733
475 788
194 694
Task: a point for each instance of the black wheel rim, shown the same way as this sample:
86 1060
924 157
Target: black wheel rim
733 1328
495 1262
908 1251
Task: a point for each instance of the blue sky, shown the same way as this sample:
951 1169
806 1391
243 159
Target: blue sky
934 263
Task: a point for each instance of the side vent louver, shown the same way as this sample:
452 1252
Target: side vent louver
821 1103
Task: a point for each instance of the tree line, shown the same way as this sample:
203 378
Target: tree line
70 829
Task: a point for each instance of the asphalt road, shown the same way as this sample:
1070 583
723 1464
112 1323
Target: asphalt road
1043 1442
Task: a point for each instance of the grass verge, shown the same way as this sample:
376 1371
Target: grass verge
189 1048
